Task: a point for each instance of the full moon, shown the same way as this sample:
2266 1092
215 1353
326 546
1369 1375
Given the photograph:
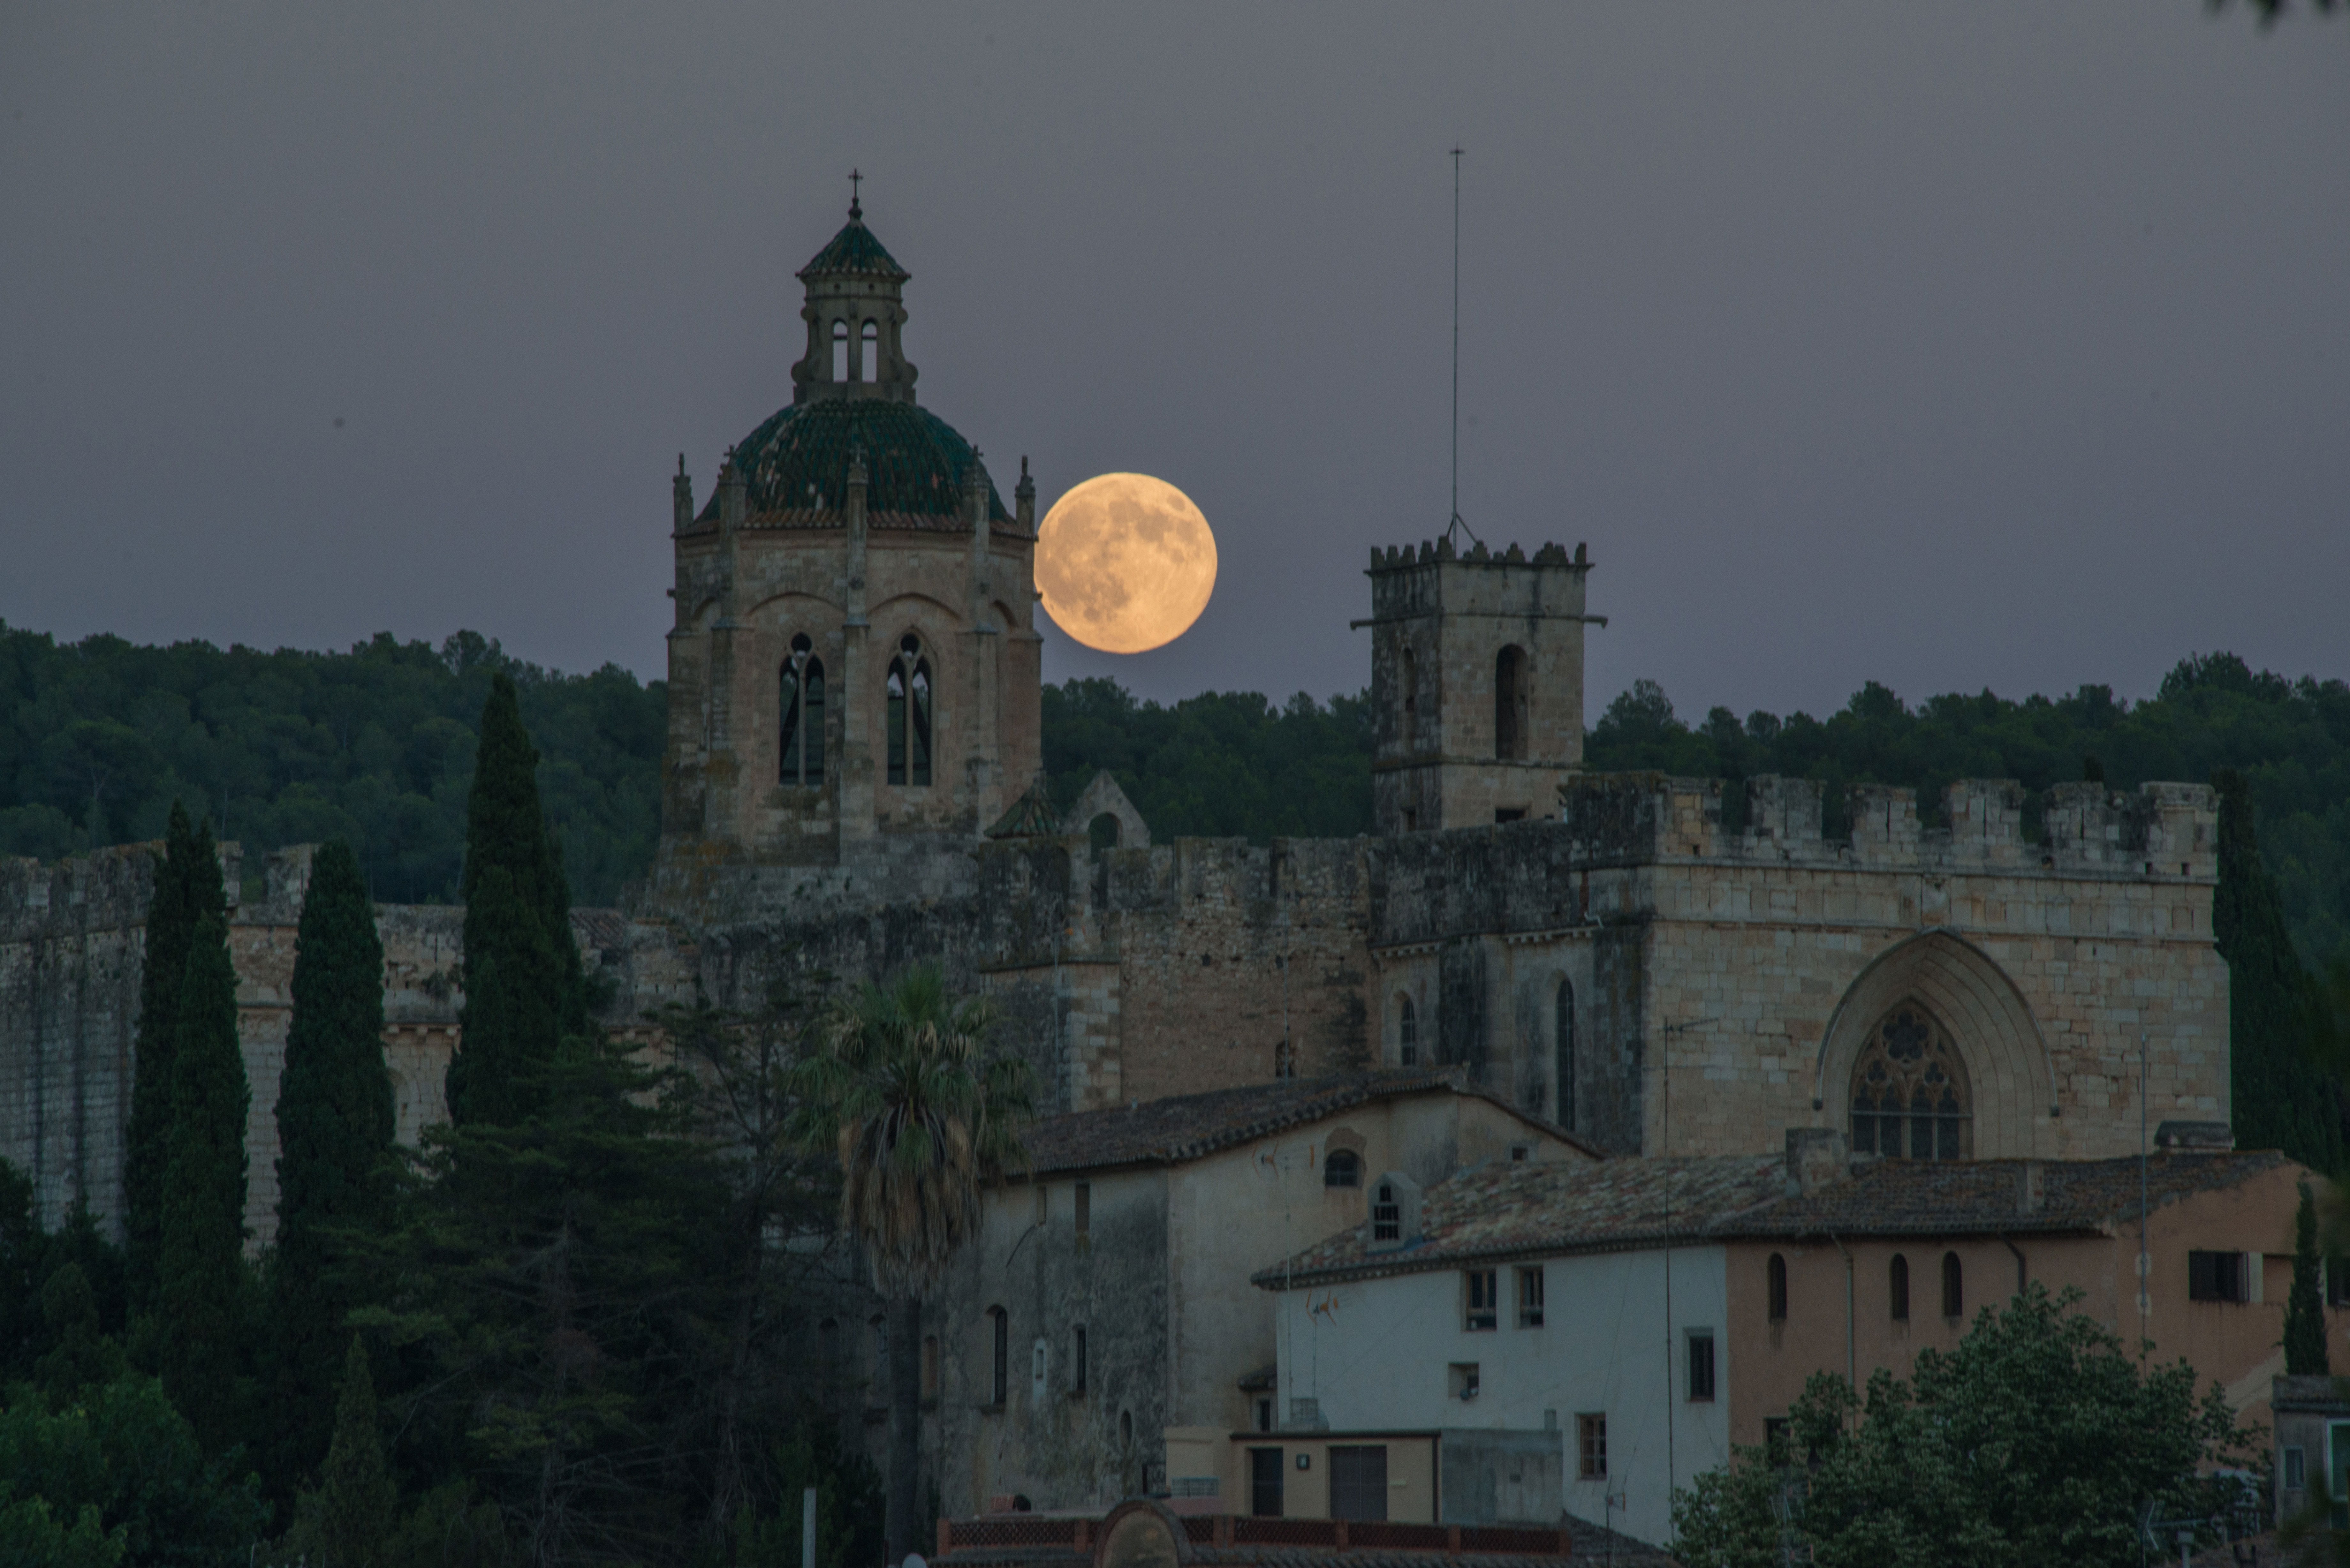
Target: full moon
1125 563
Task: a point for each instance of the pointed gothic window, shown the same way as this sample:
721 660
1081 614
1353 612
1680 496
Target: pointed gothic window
800 740
1909 1091
910 715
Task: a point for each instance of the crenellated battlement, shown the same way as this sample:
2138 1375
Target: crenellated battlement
2160 830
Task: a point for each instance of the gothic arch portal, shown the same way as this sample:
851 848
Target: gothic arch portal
2013 1082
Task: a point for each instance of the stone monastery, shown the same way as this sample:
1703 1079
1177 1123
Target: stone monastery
852 779
852 756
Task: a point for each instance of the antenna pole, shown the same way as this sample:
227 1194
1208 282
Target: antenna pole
1456 335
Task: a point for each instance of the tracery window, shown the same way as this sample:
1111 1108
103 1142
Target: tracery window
1909 1091
910 716
802 700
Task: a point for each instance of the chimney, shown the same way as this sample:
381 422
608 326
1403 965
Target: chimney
1816 1159
2031 1188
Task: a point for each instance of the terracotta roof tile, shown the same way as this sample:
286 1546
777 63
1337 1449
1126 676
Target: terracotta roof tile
1188 1127
1504 1210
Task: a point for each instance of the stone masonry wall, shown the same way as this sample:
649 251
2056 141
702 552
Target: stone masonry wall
2052 959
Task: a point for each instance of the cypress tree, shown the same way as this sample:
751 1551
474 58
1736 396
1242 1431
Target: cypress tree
2281 1097
187 889
523 987
199 1280
352 1514
335 1130
2305 1309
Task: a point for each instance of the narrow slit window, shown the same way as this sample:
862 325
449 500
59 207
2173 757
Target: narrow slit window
1898 1287
840 350
1000 1331
1701 1367
868 362
1566 1051
1509 704
1407 1033
1775 1288
1954 1287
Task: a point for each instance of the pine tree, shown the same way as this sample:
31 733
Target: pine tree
524 988
2304 1310
201 1277
187 888
2283 1099
350 1517
335 1132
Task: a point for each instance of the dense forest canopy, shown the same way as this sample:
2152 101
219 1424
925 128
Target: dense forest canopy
376 745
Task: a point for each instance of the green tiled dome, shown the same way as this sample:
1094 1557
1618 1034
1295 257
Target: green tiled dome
914 462
855 250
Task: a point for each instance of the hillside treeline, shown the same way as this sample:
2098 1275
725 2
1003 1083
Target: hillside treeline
375 745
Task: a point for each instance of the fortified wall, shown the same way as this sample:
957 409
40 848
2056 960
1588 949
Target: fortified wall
1662 983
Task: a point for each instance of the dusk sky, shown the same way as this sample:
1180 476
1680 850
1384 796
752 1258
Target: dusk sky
1974 345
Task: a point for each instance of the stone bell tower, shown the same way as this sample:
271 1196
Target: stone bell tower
855 667
1476 682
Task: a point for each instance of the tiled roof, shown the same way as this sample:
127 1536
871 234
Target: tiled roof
1937 1198
1031 816
795 466
1505 1210
1188 1127
854 251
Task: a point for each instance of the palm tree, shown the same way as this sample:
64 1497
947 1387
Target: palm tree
899 1085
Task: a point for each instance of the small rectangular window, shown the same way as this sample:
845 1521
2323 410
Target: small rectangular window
1521 1152
1701 1366
2338 1282
1530 1298
2296 1468
1358 1482
1483 1309
1077 1359
2216 1277
1591 1447
1083 1202
1264 1482
1460 1380
1264 1414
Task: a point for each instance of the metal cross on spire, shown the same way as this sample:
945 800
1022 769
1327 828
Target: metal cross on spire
856 209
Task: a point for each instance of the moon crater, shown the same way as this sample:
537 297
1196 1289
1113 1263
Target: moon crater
1125 563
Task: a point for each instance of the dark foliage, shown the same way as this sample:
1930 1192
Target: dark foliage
2282 1098
124 1453
373 746
2304 1304
201 1279
335 1167
1221 764
524 989
1971 1463
188 890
